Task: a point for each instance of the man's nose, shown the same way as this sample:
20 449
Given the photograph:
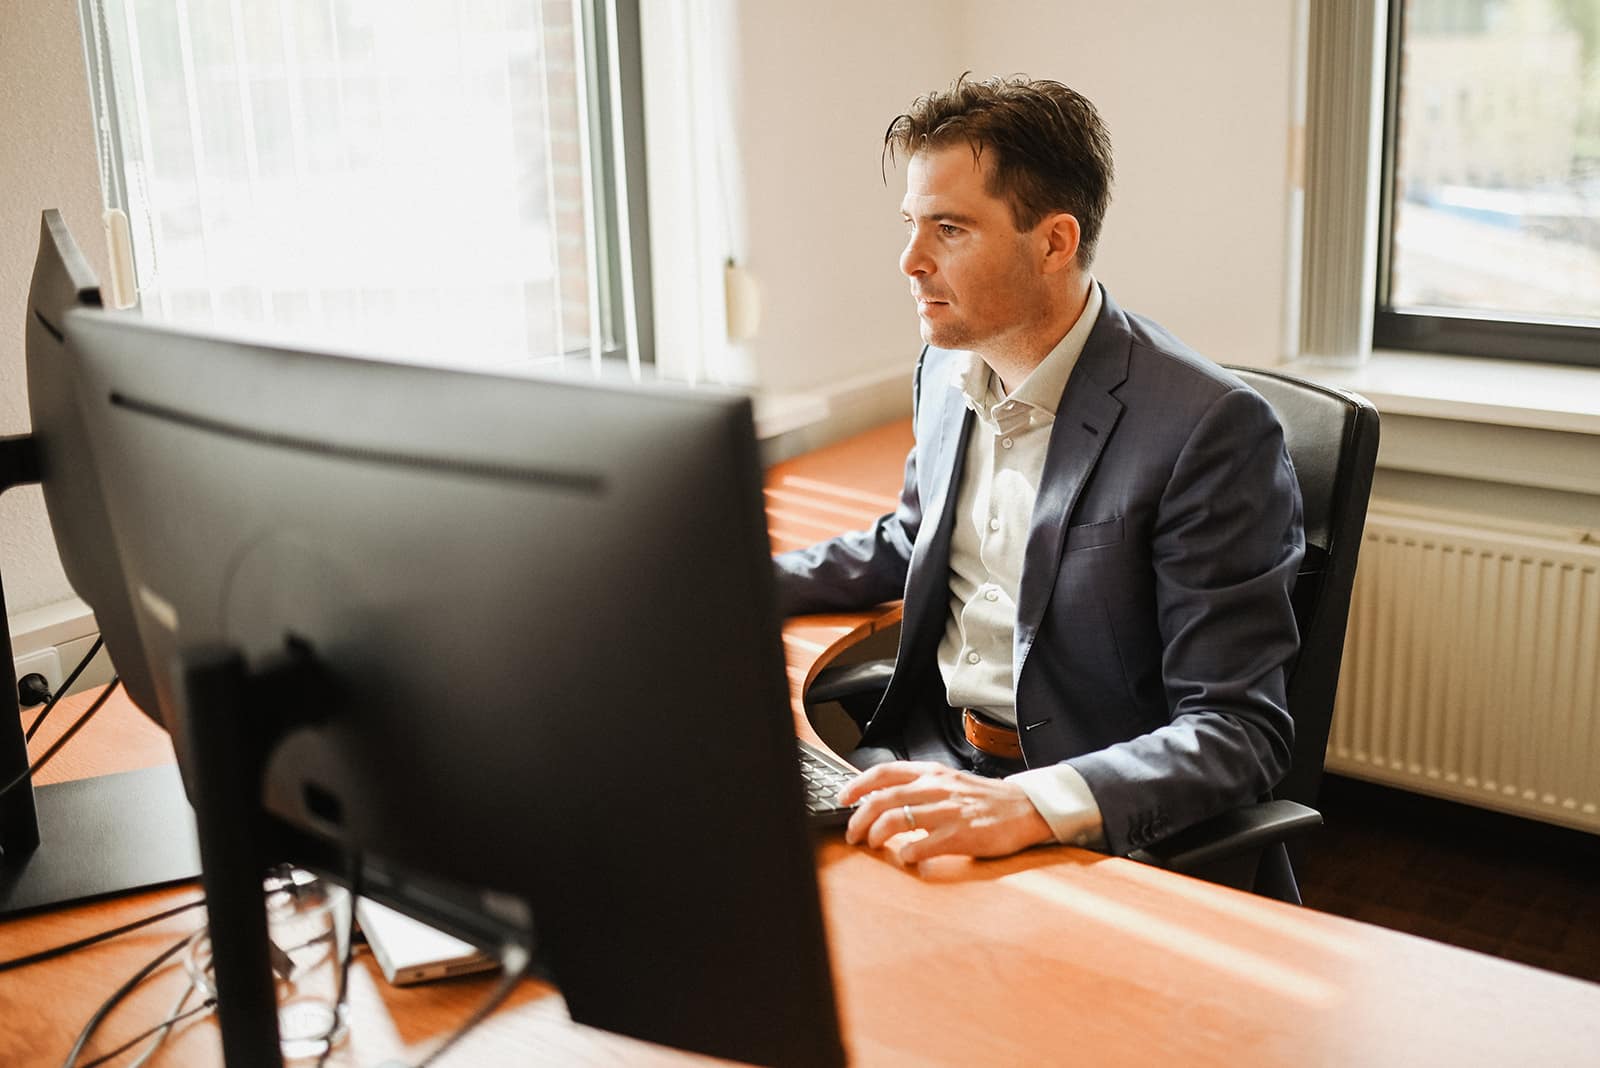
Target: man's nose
914 262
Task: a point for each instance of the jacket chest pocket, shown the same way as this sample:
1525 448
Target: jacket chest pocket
1089 535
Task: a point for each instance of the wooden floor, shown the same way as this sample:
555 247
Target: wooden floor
1513 888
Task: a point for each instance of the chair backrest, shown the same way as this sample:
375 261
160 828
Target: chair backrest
1333 442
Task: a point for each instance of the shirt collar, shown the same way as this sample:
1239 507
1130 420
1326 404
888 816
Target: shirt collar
1042 389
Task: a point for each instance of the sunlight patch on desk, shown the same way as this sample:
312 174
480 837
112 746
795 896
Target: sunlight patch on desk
1134 923
1302 925
818 515
877 500
802 643
824 526
851 510
372 1019
785 542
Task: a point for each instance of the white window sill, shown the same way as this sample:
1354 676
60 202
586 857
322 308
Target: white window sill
1470 389
50 625
836 408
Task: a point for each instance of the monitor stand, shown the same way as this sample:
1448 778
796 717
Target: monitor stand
88 838
100 837
232 720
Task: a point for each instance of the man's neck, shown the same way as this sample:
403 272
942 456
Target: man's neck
1014 358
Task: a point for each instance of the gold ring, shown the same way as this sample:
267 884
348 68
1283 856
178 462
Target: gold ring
911 817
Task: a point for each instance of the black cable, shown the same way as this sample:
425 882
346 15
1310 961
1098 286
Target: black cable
116 999
175 1018
150 1051
63 689
66 736
72 947
514 959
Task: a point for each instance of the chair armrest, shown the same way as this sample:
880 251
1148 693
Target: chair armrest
1229 835
868 678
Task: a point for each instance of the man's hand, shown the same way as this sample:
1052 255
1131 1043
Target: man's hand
961 812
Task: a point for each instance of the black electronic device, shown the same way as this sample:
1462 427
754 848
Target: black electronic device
111 834
824 776
473 628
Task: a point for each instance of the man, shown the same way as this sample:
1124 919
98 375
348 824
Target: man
1098 531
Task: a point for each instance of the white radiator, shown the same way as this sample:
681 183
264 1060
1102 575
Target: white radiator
1472 664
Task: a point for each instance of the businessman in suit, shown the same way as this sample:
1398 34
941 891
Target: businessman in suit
1097 535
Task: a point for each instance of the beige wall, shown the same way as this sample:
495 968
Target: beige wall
819 82
47 160
1198 99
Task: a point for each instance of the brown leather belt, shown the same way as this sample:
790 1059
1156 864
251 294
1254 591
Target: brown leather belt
991 738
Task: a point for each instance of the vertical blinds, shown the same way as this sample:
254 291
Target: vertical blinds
414 180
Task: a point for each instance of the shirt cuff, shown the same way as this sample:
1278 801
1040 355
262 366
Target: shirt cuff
1062 797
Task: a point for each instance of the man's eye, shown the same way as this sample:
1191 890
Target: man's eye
949 231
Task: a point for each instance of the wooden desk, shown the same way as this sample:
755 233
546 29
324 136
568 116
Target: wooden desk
812 498
1054 956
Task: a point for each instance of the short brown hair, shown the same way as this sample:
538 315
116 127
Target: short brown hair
1051 150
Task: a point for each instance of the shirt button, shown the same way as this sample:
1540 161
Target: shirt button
991 595
1005 443
973 658
994 524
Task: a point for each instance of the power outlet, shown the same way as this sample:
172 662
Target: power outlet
46 662
52 639
55 661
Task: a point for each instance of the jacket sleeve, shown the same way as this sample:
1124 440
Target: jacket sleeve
1226 545
861 568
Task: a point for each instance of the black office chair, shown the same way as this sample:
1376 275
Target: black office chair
1332 437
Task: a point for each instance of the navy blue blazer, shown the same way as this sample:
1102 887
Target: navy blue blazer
1154 627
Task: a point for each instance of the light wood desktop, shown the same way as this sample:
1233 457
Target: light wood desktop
1054 956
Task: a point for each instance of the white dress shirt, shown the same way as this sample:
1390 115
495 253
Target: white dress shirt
994 512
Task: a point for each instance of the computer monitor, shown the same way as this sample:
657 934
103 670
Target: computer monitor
512 633
86 838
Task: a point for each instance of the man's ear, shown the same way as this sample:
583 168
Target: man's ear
1061 234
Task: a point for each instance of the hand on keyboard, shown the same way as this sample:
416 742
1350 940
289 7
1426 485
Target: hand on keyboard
959 812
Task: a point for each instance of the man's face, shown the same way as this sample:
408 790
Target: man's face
977 280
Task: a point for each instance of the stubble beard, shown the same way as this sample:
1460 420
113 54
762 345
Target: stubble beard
946 335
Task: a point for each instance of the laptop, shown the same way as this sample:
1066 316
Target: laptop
409 951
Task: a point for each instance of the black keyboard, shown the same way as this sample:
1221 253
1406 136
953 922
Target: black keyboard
824 776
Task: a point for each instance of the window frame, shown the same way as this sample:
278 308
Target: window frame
1467 333
627 173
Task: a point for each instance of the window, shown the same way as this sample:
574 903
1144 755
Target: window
437 181
1490 224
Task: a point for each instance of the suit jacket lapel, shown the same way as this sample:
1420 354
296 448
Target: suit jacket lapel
939 463
930 560
1084 421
